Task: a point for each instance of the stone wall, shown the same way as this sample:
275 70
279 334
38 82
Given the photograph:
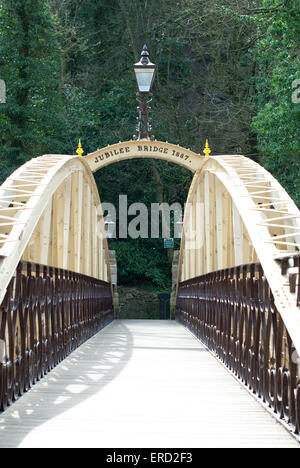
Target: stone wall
134 303
137 304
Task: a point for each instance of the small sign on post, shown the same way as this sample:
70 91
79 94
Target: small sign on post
169 243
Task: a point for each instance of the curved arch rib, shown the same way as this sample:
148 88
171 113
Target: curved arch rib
237 213
50 213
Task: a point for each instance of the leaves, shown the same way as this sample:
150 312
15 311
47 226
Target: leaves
30 66
143 262
278 117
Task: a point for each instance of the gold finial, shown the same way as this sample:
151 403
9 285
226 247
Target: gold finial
207 149
79 149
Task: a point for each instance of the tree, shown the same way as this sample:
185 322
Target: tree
201 90
278 113
30 65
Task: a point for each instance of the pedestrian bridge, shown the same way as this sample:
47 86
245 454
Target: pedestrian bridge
140 383
225 373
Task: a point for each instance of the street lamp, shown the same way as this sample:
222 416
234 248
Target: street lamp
110 227
144 72
178 229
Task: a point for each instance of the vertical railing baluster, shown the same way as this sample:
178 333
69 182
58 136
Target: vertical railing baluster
46 313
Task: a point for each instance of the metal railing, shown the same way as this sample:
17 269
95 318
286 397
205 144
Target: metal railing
46 314
233 312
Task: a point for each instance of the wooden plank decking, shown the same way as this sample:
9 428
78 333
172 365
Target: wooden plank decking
140 384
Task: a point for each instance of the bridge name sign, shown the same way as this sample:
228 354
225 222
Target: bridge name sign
144 149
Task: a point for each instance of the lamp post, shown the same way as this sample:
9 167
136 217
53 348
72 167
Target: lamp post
179 228
144 73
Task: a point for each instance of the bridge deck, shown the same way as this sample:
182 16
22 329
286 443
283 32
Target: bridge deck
140 384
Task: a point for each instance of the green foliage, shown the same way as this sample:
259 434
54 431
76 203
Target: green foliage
221 65
143 262
30 66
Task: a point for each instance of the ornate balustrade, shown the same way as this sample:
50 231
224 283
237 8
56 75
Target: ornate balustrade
233 312
46 314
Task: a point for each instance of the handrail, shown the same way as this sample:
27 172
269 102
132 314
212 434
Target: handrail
46 314
233 312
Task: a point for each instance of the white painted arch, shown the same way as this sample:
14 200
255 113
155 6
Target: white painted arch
239 214
50 213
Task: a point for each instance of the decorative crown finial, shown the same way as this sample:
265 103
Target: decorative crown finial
79 149
207 149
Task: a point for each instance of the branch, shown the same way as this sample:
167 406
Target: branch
256 11
127 21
